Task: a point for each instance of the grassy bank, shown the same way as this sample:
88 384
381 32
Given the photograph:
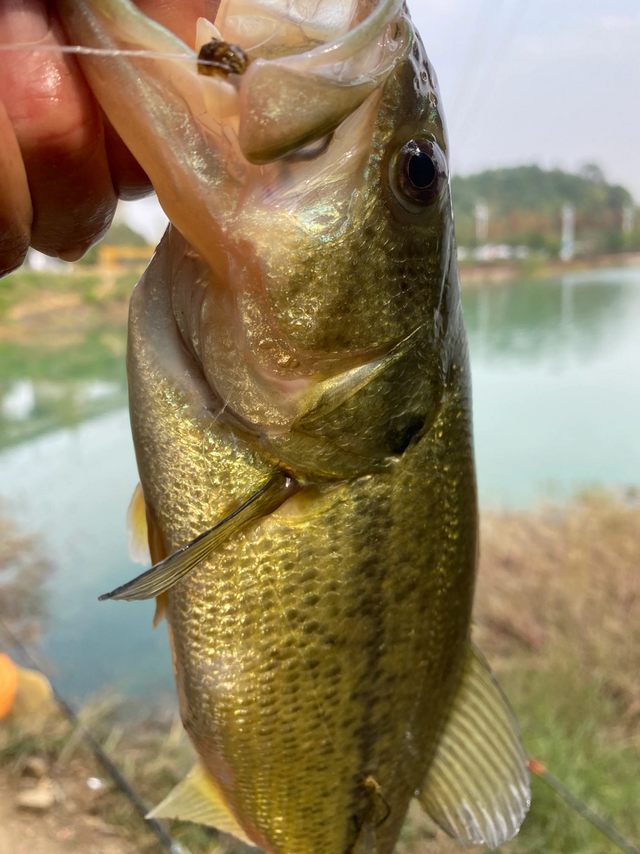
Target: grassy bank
62 346
475 274
558 616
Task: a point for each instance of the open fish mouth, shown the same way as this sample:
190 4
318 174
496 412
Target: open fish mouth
250 167
290 101
311 66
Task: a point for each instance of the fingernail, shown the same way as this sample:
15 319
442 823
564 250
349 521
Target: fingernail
75 253
24 20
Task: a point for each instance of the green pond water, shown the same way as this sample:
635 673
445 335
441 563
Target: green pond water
556 374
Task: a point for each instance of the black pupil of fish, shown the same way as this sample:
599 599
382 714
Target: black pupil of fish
421 170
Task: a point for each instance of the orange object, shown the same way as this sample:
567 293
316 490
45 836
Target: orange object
8 684
537 768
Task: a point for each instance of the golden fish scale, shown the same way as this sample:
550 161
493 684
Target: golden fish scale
386 279
387 273
319 647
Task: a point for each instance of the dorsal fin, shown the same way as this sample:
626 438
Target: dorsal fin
477 787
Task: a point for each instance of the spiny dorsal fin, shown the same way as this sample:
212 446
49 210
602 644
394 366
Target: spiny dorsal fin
477 787
197 799
169 571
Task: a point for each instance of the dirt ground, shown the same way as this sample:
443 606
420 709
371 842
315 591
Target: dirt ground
86 814
72 823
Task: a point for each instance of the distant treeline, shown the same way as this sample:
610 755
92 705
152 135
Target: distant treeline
523 206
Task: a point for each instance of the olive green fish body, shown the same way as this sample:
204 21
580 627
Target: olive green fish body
301 412
319 648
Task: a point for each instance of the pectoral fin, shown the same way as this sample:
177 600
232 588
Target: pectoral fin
168 572
197 799
477 787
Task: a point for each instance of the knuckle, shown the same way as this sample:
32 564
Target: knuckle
13 249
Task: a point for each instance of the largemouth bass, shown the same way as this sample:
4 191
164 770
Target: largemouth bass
301 412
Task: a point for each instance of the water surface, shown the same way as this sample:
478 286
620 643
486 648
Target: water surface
556 378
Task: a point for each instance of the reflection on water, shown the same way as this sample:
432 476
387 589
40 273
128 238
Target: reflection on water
52 377
556 408
30 407
576 316
23 571
71 488
556 396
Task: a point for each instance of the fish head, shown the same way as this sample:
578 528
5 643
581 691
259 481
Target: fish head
316 285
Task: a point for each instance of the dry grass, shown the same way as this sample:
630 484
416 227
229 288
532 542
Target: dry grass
558 615
564 585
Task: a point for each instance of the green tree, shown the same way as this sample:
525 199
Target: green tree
525 205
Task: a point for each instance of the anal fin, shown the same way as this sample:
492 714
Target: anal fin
477 787
197 799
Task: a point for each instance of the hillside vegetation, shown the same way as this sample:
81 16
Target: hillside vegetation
525 208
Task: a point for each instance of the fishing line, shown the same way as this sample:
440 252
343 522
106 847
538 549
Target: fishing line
93 51
485 82
110 767
581 808
474 55
103 51
139 53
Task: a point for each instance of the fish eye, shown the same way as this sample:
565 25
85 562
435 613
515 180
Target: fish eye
419 172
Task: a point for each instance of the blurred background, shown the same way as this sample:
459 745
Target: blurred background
542 106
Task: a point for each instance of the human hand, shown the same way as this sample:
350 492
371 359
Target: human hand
62 166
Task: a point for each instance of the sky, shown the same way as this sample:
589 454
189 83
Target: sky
554 82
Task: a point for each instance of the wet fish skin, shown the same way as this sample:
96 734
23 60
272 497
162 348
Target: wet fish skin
319 652
303 645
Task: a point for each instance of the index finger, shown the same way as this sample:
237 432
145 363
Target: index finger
59 130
